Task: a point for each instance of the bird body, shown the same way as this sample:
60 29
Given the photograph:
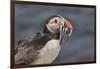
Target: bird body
48 53
44 47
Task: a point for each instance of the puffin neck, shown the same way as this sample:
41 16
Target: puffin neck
52 35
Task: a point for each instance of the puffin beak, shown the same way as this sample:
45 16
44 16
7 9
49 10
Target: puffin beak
65 31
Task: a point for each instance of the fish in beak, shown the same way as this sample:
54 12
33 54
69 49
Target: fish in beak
65 30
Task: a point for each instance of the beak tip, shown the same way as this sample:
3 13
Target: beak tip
68 23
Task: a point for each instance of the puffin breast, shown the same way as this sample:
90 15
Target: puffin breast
48 53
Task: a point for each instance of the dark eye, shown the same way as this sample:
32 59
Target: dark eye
55 21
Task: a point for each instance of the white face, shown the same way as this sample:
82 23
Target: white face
54 24
61 25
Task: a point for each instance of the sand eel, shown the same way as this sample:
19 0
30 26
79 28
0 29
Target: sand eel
44 47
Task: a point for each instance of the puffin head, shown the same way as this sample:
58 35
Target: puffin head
59 25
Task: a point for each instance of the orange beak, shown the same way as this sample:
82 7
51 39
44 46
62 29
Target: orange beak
69 25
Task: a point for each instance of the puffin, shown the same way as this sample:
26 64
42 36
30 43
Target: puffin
44 47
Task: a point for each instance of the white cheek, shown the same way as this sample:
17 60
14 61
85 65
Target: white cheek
52 27
56 26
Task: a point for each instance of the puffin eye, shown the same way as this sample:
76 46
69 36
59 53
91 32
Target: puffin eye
55 21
